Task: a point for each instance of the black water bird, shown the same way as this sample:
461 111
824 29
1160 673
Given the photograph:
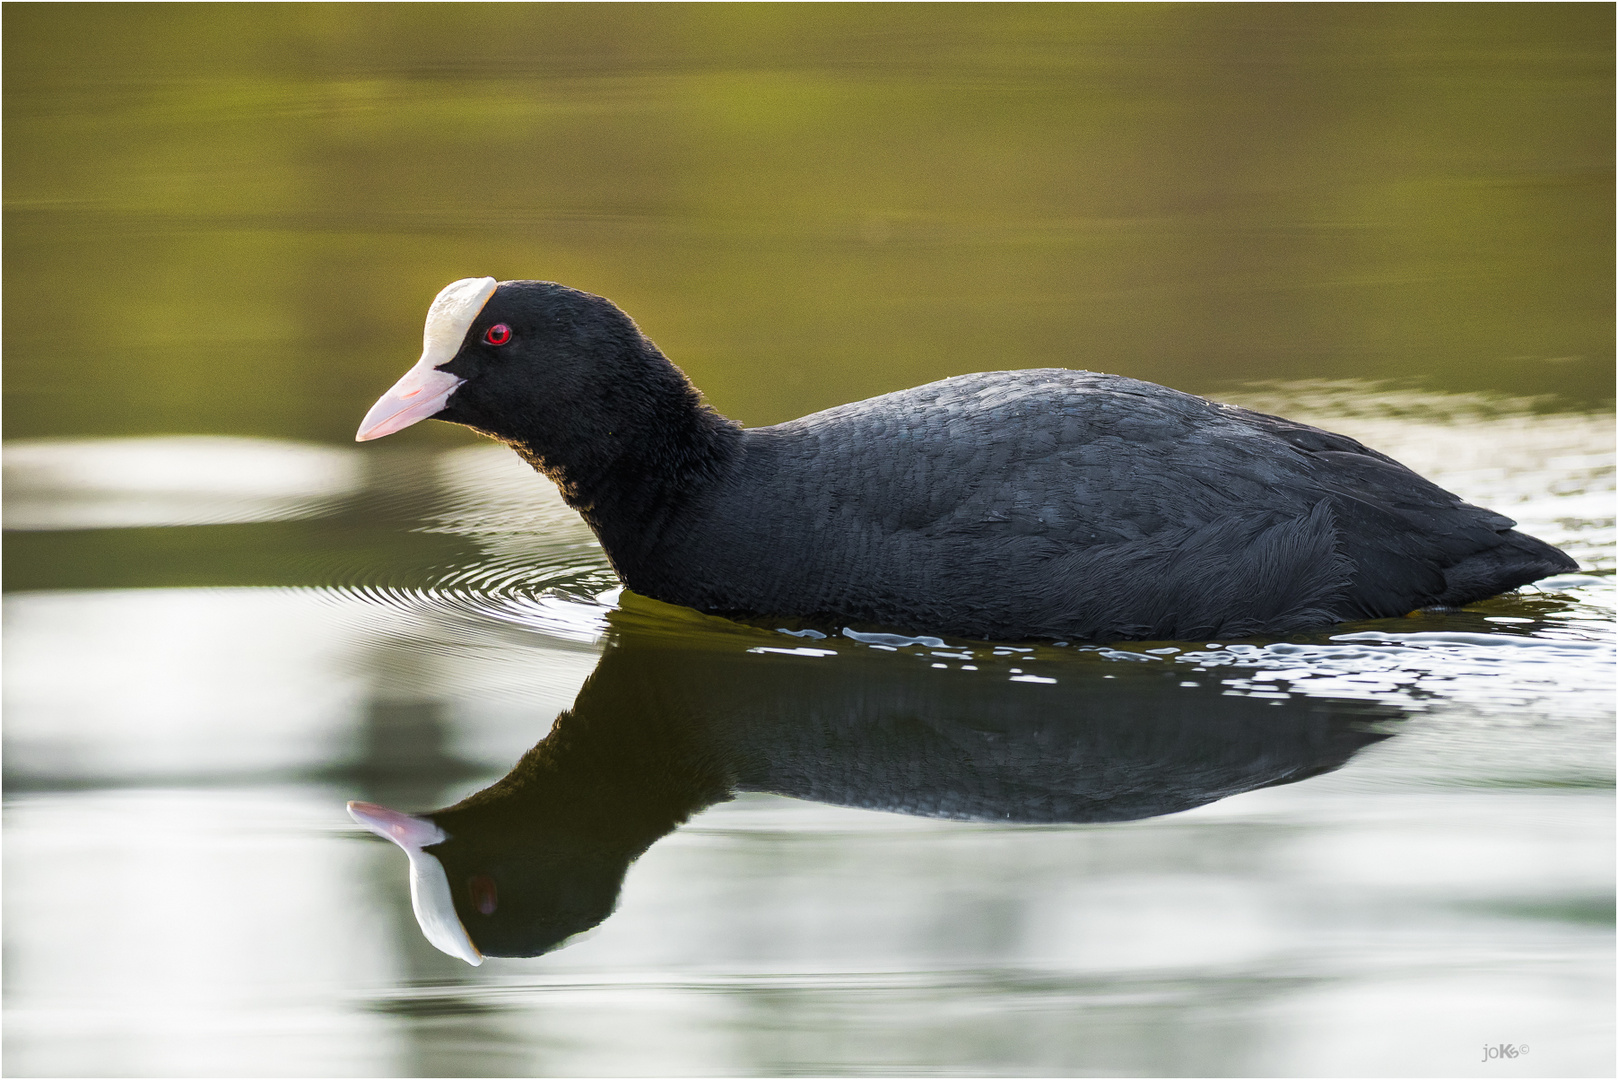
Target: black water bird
1006 505
672 723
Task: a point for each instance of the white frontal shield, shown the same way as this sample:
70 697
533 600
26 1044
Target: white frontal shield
429 885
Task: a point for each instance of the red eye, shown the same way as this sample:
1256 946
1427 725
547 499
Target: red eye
484 896
498 334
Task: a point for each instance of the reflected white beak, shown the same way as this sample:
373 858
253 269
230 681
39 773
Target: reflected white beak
429 886
425 390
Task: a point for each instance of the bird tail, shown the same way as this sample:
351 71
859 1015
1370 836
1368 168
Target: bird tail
1517 560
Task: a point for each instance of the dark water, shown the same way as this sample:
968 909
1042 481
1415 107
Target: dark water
1374 850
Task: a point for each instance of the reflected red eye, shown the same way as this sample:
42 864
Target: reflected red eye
498 334
485 898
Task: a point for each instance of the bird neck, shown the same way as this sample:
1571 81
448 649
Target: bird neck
608 777
639 465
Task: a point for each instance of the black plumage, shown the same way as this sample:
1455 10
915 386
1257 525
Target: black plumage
1048 503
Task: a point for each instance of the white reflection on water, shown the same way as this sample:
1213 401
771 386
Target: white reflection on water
172 480
213 931
185 896
164 685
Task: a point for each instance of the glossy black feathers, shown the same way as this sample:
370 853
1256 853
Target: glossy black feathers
1002 505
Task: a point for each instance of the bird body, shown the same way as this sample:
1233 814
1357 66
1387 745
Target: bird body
1048 503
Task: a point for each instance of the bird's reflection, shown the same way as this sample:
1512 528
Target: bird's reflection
668 725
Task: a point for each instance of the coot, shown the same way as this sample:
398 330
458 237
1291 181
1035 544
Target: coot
1003 505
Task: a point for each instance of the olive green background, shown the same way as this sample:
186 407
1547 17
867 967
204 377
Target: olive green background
230 218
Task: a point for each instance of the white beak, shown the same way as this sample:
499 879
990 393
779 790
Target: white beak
424 390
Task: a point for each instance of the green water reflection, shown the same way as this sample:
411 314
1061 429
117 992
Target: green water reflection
229 219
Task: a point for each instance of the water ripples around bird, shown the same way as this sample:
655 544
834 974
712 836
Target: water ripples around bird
477 544
1547 648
